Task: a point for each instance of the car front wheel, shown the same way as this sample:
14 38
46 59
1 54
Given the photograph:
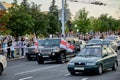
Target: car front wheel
114 66
40 60
100 70
29 58
62 58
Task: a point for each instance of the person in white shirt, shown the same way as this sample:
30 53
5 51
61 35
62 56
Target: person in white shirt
12 49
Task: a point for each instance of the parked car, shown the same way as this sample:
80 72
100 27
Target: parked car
3 63
95 58
56 49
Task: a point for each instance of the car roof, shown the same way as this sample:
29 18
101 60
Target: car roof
96 46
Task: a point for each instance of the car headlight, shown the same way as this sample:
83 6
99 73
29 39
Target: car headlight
91 64
56 49
70 63
39 54
53 54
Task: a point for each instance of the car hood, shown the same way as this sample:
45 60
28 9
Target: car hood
84 59
48 47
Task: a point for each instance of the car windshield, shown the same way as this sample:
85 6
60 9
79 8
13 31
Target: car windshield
40 42
94 41
92 52
51 42
106 42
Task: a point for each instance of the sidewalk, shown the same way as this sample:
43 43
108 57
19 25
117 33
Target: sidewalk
16 58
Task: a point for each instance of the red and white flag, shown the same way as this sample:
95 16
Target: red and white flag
35 40
64 44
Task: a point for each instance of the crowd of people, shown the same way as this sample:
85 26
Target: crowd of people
10 47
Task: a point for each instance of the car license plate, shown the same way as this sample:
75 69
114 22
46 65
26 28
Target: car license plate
33 56
45 56
79 68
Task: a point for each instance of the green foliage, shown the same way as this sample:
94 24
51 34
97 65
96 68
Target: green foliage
27 18
102 23
41 21
96 25
82 21
18 20
54 23
53 9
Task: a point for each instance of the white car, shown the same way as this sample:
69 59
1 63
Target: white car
3 63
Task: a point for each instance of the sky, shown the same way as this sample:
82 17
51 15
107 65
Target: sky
94 10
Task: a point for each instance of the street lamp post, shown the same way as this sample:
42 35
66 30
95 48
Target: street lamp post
63 21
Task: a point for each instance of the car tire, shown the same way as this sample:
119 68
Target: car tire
40 60
114 66
62 58
29 58
1 69
118 47
100 70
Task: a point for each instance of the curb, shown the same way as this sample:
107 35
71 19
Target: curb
16 58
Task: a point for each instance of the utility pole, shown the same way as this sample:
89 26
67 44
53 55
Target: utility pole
63 21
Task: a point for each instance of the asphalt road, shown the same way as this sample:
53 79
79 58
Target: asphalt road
22 69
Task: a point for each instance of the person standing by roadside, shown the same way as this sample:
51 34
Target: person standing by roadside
22 46
4 46
8 49
12 48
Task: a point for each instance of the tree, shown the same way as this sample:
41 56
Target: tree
18 20
82 21
53 9
96 24
104 22
54 23
41 21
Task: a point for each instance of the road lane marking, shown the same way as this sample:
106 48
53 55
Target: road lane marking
67 74
84 79
26 78
34 70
